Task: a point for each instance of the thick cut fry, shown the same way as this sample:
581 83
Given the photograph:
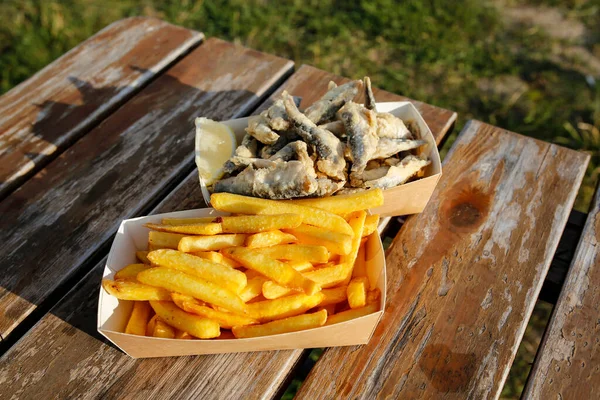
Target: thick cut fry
359 264
187 221
203 228
163 240
352 313
300 266
291 324
179 298
225 319
190 244
259 223
330 308
276 270
357 292
250 205
357 222
163 330
335 242
284 307
272 291
345 203
328 277
139 318
334 295
219 274
128 290
183 335
253 289
199 327
141 256
269 238
296 252
151 324
129 273
218 258
177 281
371 223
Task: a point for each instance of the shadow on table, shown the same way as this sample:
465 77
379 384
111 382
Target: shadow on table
37 269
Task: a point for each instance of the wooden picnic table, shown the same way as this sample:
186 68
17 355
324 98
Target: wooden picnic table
106 133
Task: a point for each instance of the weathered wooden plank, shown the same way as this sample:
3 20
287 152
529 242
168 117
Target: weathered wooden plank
59 218
440 120
45 114
567 365
68 333
464 275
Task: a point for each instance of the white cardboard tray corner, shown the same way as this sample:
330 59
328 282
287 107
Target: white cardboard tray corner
412 197
113 313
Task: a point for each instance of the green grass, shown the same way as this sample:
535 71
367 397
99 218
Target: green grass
458 55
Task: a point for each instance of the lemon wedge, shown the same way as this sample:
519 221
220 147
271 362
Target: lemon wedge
215 144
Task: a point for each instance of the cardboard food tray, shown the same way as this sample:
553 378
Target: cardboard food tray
410 198
113 313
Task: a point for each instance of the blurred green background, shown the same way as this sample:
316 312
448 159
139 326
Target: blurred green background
530 66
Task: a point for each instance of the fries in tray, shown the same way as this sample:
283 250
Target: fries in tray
273 267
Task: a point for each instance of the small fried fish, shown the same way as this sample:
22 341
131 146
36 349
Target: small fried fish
389 126
324 109
369 98
258 127
282 180
387 147
330 149
399 174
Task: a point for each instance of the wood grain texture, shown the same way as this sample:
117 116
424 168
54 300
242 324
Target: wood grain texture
464 275
567 365
64 214
52 109
440 120
68 333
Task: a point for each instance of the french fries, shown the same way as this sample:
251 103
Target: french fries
269 238
276 270
259 223
290 324
225 320
312 254
352 314
163 330
177 281
129 290
201 228
129 273
189 244
284 307
345 203
140 314
217 257
335 242
357 292
229 278
255 274
371 223
250 205
202 328
163 240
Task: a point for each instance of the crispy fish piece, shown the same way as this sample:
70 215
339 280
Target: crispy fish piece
258 127
369 98
335 127
387 147
278 119
389 126
247 149
361 128
327 187
281 180
285 137
330 150
399 174
324 109
297 150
